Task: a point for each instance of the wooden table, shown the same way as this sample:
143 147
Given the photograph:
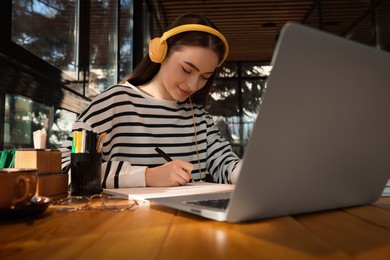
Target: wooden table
156 232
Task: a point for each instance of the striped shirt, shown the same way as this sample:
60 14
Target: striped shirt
135 124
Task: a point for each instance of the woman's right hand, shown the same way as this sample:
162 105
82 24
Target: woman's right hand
173 173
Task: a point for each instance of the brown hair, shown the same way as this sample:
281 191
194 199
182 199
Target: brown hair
147 69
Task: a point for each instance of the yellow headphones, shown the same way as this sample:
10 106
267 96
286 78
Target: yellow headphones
158 47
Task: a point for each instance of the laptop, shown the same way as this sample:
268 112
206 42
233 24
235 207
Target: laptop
321 139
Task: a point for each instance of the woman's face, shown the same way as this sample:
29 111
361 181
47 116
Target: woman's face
186 71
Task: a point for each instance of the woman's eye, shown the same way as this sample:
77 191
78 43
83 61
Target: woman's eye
186 71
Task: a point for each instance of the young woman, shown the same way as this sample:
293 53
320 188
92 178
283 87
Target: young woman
160 104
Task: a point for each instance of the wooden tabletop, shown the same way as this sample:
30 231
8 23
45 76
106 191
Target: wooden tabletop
157 232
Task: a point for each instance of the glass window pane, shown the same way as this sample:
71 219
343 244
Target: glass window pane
235 99
230 128
224 104
237 130
224 98
24 116
255 70
252 91
229 70
48 30
125 38
103 46
61 127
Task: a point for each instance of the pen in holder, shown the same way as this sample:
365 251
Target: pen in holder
86 160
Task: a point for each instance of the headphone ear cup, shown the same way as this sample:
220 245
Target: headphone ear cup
157 50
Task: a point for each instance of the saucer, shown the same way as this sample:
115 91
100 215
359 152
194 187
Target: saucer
36 206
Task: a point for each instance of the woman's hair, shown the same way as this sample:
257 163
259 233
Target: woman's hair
147 69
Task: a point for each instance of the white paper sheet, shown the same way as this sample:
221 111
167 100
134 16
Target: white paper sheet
143 194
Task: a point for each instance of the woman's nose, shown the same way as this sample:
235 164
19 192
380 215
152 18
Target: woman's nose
193 82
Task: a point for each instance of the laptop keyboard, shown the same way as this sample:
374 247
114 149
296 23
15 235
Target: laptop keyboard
214 203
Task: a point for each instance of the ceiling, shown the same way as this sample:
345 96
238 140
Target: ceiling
252 27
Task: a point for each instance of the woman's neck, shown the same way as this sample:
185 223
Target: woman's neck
155 88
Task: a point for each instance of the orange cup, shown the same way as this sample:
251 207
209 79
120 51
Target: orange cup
17 186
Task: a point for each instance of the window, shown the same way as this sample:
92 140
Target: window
24 116
110 50
125 38
234 101
57 55
103 47
48 29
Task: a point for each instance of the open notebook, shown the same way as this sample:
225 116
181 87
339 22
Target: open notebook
147 193
322 136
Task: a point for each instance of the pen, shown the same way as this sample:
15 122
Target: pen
162 154
165 156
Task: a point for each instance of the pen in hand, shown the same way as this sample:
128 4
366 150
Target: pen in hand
165 156
162 154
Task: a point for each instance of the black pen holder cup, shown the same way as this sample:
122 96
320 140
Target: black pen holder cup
85 174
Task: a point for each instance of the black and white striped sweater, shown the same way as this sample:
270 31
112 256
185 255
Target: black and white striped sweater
136 123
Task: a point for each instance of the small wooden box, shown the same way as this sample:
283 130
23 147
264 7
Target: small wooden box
52 182
46 161
53 185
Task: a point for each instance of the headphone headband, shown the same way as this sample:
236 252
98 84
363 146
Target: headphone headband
158 47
